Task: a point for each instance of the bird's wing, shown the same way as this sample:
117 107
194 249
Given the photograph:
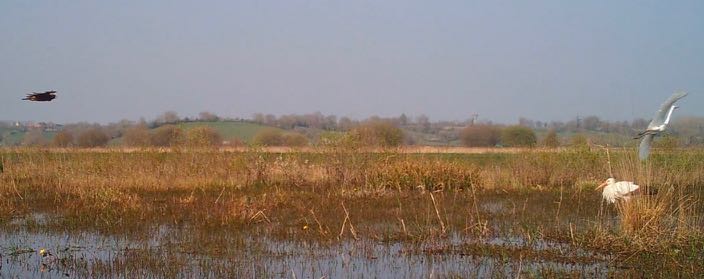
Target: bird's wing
661 114
644 149
626 187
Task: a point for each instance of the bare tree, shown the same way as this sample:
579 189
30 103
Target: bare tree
294 140
259 118
93 137
203 136
423 122
479 135
268 137
137 136
208 116
379 133
63 139
551 139
518 136
168 117
34 137
167 135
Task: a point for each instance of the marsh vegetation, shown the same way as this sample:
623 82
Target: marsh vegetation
334 211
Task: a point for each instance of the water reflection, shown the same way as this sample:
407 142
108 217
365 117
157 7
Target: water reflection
184 252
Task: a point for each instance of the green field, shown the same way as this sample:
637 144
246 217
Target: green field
14 137
10 137
228 129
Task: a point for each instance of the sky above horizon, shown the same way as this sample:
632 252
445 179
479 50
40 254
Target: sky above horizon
543 60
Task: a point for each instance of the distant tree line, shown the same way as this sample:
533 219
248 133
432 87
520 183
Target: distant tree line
275 137
588 123
307 129
688 130
487 135
333 123
137 136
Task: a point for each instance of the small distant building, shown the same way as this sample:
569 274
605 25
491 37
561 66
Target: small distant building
32 125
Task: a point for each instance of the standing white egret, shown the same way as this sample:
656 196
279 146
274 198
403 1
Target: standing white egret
613 190
658 124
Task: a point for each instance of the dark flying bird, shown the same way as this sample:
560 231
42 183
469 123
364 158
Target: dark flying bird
41 97
658 124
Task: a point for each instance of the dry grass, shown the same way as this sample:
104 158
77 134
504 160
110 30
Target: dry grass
309 149
667 206
385 195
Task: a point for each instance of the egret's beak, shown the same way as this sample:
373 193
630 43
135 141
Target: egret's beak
601 185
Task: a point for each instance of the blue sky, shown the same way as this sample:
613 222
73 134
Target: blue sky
545 60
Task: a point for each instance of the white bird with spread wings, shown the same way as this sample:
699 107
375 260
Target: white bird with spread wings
658 124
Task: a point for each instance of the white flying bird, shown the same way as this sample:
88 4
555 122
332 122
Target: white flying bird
658 124
613 190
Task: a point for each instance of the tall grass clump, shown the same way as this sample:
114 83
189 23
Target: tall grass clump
432 175
344 160
540 168
666 210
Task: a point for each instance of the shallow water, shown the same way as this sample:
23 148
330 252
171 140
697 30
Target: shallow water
168 251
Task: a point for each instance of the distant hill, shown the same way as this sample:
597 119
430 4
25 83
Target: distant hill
229 130
10 136
14 136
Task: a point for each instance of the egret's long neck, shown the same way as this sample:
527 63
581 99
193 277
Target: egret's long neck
669 114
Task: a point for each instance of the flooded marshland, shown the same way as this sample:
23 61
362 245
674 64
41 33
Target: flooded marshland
341 213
